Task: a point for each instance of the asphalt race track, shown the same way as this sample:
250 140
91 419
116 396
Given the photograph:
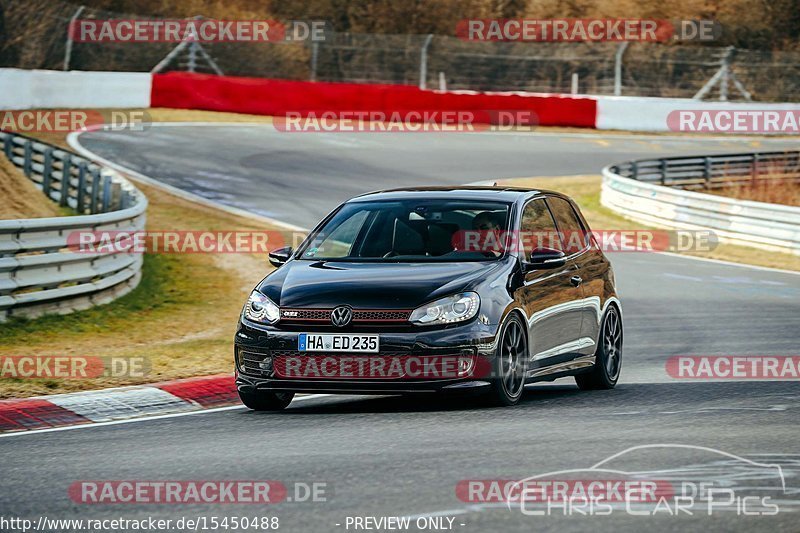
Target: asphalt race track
387 456
299 177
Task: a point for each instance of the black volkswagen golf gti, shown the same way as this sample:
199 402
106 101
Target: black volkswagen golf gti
434 290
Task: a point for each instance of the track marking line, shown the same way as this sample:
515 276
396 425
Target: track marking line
146 418
731 263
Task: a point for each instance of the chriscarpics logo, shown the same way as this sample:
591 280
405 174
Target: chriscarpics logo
651 480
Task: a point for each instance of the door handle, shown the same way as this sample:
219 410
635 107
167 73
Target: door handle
576 280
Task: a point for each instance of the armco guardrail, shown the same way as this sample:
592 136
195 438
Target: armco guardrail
655 192
39 273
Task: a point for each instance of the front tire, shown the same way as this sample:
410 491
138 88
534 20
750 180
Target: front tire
608 356
511 364
266 400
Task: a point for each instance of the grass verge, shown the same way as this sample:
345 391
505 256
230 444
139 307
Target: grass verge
771 191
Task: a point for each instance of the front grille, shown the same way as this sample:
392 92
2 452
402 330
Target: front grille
380 316
360 316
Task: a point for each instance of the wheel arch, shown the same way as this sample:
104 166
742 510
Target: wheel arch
611 301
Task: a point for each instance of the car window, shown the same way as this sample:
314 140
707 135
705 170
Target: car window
538 230
339 241
412 230
573 235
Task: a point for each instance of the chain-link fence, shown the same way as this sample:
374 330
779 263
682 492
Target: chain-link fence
36 37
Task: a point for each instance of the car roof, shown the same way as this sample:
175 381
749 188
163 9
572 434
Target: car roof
502 194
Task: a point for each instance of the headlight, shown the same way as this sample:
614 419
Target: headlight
456 308
259 308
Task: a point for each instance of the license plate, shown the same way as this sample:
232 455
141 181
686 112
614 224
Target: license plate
324 342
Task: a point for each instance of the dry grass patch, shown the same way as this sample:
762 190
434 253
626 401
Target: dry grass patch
771 191
21 198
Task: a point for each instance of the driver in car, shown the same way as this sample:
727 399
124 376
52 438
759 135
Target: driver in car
489 233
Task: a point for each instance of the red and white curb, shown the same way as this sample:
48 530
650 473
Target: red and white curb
108 405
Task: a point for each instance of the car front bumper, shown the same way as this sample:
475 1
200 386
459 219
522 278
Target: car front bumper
261 353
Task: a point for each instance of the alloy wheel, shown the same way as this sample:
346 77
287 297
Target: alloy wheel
512 357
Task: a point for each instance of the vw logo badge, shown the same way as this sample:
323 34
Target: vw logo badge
341 316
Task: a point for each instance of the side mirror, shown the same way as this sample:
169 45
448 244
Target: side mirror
545 258
279 256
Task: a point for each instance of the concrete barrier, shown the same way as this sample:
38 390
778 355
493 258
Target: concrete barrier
762 225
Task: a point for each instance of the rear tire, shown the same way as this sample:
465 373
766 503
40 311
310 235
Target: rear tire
608 356
511 364
265 400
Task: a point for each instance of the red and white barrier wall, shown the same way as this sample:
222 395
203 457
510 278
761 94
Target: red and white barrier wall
27 89
50 89
276 97
653 114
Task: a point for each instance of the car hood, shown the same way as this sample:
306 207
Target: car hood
320 284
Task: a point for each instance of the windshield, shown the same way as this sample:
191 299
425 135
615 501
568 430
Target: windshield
406 231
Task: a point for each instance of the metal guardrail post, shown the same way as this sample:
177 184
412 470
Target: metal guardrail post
754 171
314 60
116 196
423 62
707 170
95 190
618 68
68 45
634 170
106 194
8 146
66 177
81 187
27 163
47 175
663 167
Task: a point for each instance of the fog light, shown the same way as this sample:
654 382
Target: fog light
465 364
266 365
